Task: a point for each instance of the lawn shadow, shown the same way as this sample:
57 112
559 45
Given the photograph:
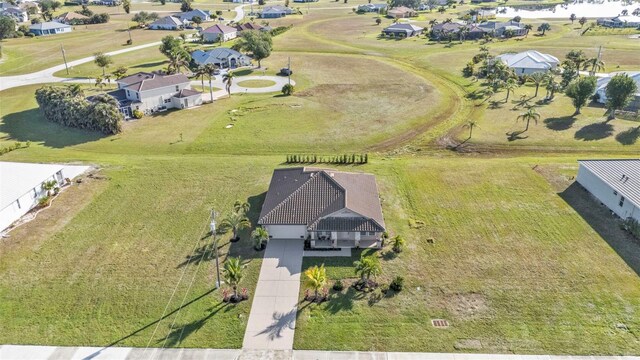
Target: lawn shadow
629 136
30 125
600 218
244 247
341 301
180 333
148 65
595 131
515 135
560 123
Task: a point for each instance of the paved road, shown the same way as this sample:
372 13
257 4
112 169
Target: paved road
272 319
279 82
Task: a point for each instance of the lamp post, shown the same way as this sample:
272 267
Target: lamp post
212 227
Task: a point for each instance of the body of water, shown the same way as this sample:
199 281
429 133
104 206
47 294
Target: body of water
594 9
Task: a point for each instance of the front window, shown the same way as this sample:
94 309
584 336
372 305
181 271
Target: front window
621 203
177 87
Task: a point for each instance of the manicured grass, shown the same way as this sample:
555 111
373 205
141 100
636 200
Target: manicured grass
513 267
256 83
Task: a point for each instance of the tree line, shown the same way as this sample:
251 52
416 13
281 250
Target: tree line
327 159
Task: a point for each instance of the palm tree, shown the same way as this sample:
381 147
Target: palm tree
537 78
530 114
199 72
527 27
236 222
100 82
316 278
595 65
463 33
471 124
228 81
510 86
552 85
241 207
210 71
399 242
178 58
233 273
366 267
259 236
48 186
578 58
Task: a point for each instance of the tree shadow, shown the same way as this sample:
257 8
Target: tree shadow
281 322
175 337
30 125
606 224
515 135
244 247
389 255
595 131
148 65
560 123
495 104
341 301
629 136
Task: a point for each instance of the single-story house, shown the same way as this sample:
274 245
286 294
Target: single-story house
152 92
453 30
481 1
50 28
167 23
223 58
484 14
275 11
304 1
375 8
249 26
401 12
497 28
529 62
327 207
631 21
204 15
402 30
219 32
71 18
601 89
615 183
21 186
16 12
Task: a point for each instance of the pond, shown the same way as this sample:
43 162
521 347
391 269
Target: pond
589 9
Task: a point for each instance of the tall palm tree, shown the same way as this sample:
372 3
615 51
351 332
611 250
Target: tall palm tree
316 278
530 114
594 65
200 73
259 236
178 58
471 124
537 78
510 86
233 273
210 71
527 27
236 222
227 78
552 85
578 58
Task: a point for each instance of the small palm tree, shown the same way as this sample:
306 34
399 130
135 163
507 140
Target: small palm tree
316 278
48 186
236 222
528 28
510 86
228 81
75 90
594 65
178 58
366 267
471 124
537 78
530 114
398 244
241 207
233 273
100 82
259 236
200 73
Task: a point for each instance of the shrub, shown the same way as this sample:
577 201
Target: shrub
138 114
29 34
287 89
338 285
44 201
397 284
398 244
279 30
632 226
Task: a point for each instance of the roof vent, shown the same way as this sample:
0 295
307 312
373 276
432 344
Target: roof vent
332 174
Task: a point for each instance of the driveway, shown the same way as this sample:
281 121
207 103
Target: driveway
272 320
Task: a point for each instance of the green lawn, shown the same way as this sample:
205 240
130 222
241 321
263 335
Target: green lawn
256 83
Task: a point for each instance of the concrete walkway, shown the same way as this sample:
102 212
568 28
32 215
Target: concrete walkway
279 82
19 352
272 320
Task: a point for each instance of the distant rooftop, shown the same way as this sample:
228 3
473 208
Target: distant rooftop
622 175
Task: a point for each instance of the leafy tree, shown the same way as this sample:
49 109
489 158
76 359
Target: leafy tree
573 18
620 90
580 90
258 43
528 27
543 28
530 114
102 61
259 236
236 221
7 26
287 89
517 19
378 21
582 21
196 20
126 5
163 2
120 72
186 6
143 17
537 78
316 278
233 273
170 45
227 78
412 4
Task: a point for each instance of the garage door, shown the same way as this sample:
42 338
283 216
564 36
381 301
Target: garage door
287 231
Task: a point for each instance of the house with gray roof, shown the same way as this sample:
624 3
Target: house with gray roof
601 88
50 28
275 11
402 30
224 58
614 183
204 15
498 28
376 8
328 208
167 23
18 13
529 62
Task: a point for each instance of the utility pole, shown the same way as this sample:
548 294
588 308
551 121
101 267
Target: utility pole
64 57
212 226
289 67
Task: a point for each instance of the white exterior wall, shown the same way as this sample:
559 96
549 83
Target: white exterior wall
25 202
187 102
287 231
605 194
214 37
153 99
163 27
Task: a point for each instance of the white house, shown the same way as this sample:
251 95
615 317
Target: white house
167 23
217 32
50 28
152 92
223 58
529 62
601 88
632 21
204 15
16 12
328 208
21 186
615 183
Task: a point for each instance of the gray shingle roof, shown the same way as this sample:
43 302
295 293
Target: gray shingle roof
302 196
168 20
612 171
49 25
214 55
143 81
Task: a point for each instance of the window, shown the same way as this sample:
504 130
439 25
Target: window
621 203
371 233
177 87
615 192
363 233
138 96
128 93
166 101
18 203
35 193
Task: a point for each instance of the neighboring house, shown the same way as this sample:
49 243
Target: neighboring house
497 28
21 186
484 14
189 15
615 183
16 12
447 30
49 28
167 23
481 1
219 32
304 1
71 18
249 26
275 11
401 12
402 30
631 21
601 89
529 62
152 92
223 58
329 208
376 8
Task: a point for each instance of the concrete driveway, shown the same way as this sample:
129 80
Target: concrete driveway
272 320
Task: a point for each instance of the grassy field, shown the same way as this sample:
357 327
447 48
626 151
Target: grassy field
256 83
